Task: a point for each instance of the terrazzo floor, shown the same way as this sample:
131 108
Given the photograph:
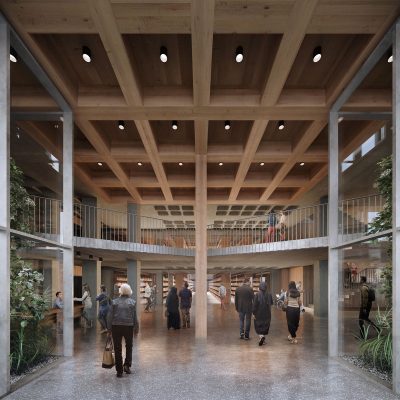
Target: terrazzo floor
172 365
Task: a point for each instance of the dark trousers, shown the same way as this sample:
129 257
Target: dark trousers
293 319
245 321
119 332
364 316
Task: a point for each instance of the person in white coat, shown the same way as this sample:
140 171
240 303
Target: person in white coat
87 306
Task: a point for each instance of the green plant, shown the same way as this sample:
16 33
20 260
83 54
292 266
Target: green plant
379 350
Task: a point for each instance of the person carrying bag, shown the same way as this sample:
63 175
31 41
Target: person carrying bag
108 355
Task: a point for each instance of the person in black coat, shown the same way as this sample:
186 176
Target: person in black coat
244 296
172 303
262 312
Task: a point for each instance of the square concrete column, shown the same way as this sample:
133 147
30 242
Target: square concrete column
226 281
4 207
170 280
179 280
321 289
159 288
133 269
91 270
107 279
201 247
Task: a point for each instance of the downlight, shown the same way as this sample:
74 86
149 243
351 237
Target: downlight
13 55
317 54
239 54
389 59
174 125
281 125
163 54
121 125
227 125
86 54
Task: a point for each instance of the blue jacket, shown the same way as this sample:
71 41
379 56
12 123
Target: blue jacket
186 298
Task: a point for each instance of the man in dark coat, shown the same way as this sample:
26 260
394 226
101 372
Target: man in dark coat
244 306
262 312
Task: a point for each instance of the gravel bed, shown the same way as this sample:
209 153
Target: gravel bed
360 363
49 360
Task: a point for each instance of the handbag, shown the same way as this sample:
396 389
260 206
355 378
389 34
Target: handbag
108 355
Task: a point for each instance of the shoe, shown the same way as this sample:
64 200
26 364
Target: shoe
188 325
119 374
246 337
261 341
289 338
241 336
104 331
127 369
293 341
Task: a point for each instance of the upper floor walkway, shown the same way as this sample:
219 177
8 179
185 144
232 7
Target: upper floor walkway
300 228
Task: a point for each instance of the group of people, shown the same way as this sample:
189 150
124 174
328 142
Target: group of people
276 227
259 305
176 302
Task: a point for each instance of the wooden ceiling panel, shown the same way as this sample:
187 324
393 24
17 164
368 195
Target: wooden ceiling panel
292 129
174 169
381 75
228 169
128 137
153 194
183 193
236 135
135 170
165 135
259 52
144 52
338 52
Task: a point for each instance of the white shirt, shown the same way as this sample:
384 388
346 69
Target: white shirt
147 291
222 291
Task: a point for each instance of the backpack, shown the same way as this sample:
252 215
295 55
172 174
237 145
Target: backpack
371 294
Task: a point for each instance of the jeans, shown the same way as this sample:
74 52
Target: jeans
119 332
242 317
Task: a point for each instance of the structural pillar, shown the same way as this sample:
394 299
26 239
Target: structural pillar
226 281
179 280
134 281
159 288
201 247
4 207
107 279
320 289
67 235
396 210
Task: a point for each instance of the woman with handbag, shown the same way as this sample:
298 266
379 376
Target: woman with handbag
172 303
122 323
292 305
262 312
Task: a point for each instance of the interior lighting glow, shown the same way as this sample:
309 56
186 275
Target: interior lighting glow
13 55
227 125
163 54
239 54
121 125
99 164
262 164
301 164
220 164
317 54
140 164
174 125
389 60
86 54
281 125
180 164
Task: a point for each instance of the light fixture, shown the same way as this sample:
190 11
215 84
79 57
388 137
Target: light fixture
13 55
317 54
78 253
281 125
139 163
227 125
90 257
86 54
100 259
99 164
262 164
239 54
220 164
121 125
340 119
180 164
301 164
389 56
163 54
174 125
56 126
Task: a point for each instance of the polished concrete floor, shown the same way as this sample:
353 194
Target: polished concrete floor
172 365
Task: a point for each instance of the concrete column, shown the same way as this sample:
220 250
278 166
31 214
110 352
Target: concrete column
133 223
67 234
90 275
276 284
179 280
170 280
333 253
89 217
321 289
4 207
396 210
323 216
201 247
226 281
134 281
107 279
159 288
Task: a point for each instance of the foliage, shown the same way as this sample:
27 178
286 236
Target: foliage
21 205
383 221
379 350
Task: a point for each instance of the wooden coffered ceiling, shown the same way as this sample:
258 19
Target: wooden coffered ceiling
201 86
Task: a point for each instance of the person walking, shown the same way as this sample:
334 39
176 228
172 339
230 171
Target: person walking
185 295
122 323
172 303
367 297
244 296
104 306
86 300
58 301
262 312
147 296
271 222
222 296
293 304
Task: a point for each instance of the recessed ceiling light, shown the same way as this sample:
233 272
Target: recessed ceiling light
86 54
180 164
227 125
163 54
56 126
140 164
281 125
121 125
99 164
174 125
100 259
340 119
220 164
13 55
317 54
390 56
239 54
301 164
262 164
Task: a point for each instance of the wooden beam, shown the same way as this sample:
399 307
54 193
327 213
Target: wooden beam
201 136
299 19
104 20
202 41
302 145
150 145
253 141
